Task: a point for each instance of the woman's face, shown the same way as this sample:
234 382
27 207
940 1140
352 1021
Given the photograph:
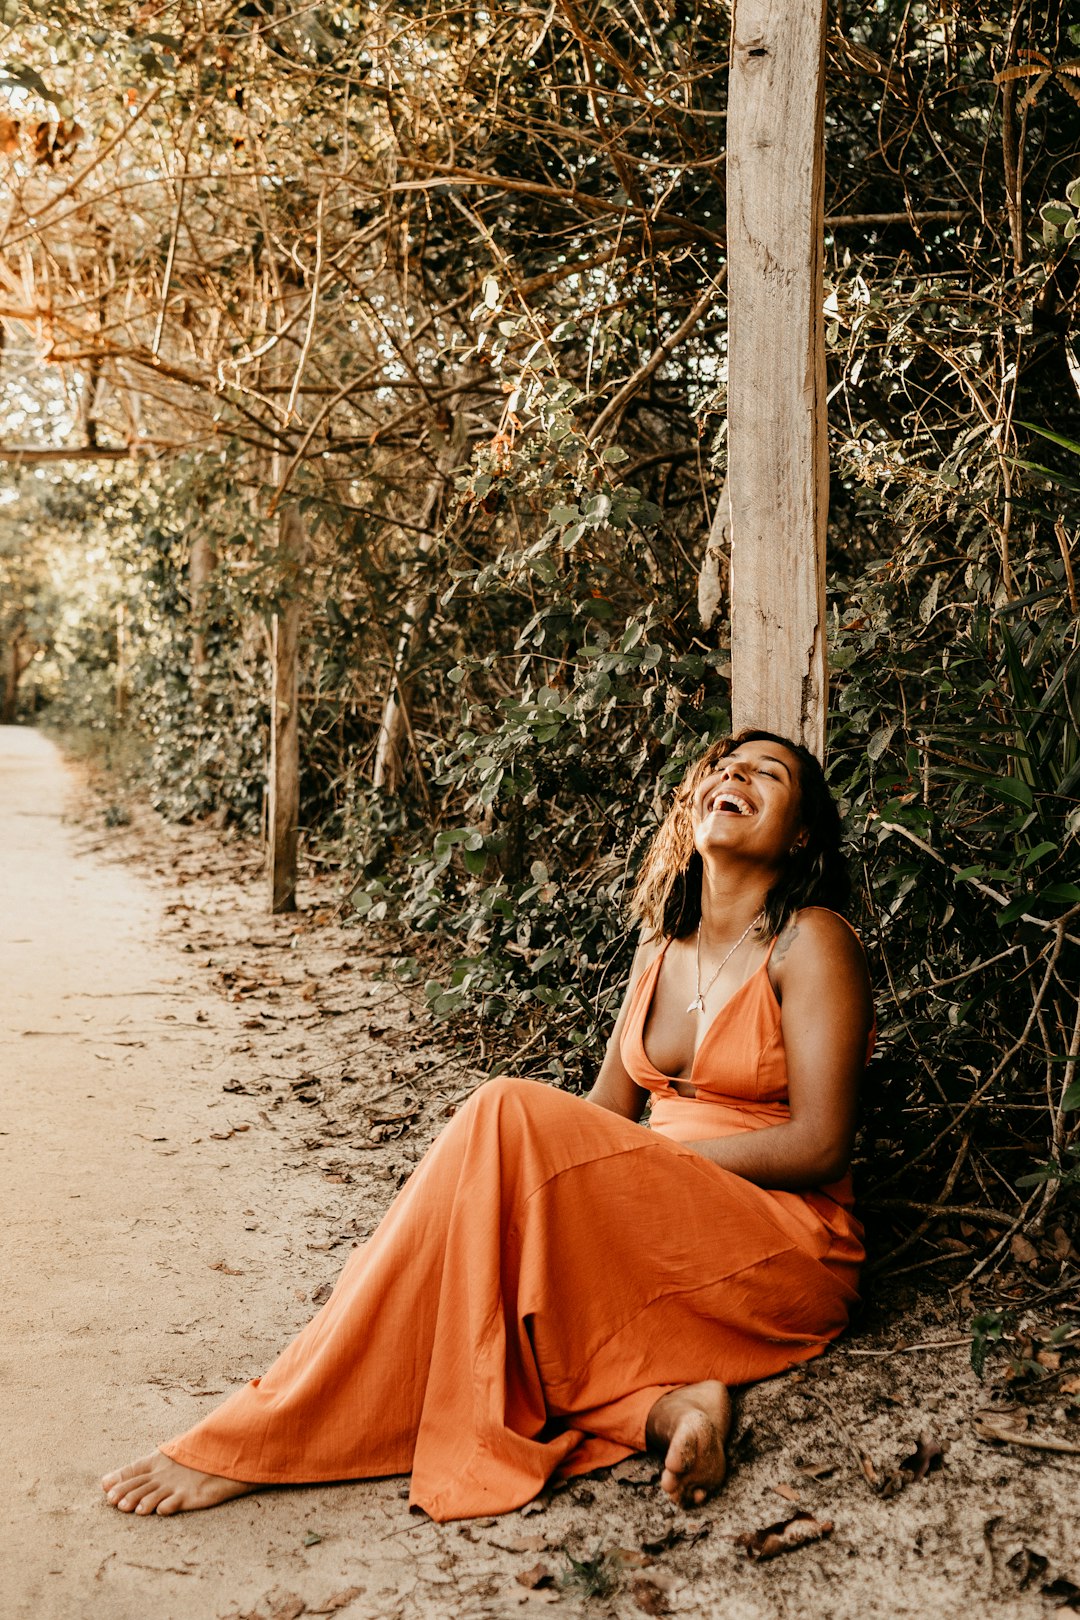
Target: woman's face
749 804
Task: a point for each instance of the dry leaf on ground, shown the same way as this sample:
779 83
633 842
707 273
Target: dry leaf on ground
784 1536
648 1596
539 1575
340 1600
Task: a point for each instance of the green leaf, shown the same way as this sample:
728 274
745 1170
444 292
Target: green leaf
879 742
1013 789
1061 894
1055 438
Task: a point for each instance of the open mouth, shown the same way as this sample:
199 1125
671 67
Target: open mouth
728 803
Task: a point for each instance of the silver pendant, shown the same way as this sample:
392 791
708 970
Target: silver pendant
697 1005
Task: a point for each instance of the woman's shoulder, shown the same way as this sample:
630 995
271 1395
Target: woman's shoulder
814 933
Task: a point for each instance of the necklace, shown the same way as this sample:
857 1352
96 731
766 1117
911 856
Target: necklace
698 1003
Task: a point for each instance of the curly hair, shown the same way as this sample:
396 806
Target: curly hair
667 895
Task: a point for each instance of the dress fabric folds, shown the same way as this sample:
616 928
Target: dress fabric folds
547 1273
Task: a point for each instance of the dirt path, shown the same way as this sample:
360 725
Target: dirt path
150 1264
203 1109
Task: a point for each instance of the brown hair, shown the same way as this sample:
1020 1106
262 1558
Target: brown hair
667 895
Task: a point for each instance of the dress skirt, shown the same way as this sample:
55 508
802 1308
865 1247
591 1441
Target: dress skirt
547 1273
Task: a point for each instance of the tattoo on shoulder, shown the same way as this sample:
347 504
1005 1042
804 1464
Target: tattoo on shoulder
786 941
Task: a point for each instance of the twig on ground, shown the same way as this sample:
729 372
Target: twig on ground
988 1430
909 1349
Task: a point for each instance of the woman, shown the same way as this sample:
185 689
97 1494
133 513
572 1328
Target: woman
556 1286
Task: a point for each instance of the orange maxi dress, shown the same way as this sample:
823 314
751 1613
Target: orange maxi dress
547 1273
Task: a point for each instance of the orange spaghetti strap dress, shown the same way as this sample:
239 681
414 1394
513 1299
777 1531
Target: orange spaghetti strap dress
547 1273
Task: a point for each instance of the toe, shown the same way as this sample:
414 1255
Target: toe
170 1503
149 1502
129 1492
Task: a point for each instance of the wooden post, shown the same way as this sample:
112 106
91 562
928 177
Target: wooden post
778 473
283 819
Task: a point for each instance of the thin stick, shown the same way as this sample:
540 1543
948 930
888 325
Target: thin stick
1035 1442
909 1349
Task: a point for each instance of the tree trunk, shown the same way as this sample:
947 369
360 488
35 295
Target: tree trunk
284 806
390 745
13 670
201 563
778 473
714 574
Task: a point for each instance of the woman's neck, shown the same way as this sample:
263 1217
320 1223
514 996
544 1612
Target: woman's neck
730 900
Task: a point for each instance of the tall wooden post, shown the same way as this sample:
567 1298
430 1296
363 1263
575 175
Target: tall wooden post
283 820
778 474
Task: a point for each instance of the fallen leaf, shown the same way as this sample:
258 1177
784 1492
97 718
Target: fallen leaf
927 1458
818 1470
1070 1385
1024 1250
1050 1359
287 1607
630 1558
520 1544
312 1538
786 1491
340 1600
671 1537
648 1596
1062 1243
230 1271
539 1575
785 1536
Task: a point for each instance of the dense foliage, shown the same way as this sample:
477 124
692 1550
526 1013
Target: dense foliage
452 283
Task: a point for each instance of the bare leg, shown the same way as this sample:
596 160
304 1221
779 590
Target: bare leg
688 1427
156 1484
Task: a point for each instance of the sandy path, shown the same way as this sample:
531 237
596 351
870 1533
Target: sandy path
117 1204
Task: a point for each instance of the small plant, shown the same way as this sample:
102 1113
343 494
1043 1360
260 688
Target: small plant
986 1329
592 1577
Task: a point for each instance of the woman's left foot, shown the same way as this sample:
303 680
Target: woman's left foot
156 1484
688 1427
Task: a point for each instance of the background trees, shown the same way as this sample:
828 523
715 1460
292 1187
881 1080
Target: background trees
445 288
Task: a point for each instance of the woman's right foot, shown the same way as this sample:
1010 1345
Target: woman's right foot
689 1427
156 1484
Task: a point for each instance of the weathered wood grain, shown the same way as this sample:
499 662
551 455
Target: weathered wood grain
778 452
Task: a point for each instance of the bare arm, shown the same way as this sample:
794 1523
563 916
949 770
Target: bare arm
826 1014
613 1088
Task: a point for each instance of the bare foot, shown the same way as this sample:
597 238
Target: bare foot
156 1484
688 1428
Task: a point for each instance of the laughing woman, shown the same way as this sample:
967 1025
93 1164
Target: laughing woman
558 1286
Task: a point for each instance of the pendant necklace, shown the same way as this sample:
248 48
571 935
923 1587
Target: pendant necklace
698 1003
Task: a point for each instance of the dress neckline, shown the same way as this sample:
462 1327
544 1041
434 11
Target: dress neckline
654 970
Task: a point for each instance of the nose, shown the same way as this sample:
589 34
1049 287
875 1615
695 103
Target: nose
731 769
